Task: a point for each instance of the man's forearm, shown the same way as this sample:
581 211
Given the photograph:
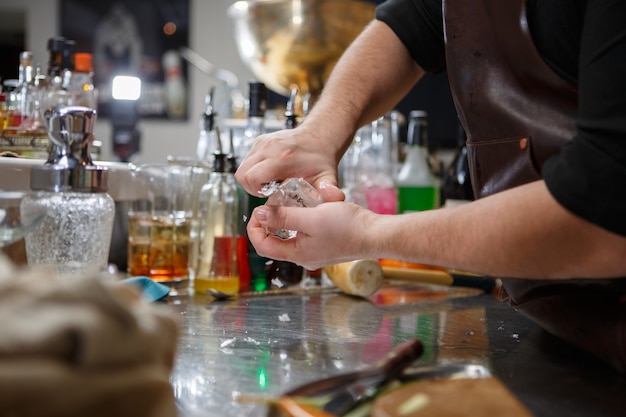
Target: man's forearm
522 232
371 77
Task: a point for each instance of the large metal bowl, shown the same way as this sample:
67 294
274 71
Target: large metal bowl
296 43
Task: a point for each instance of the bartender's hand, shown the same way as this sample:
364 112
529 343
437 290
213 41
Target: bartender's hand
291 153
327 234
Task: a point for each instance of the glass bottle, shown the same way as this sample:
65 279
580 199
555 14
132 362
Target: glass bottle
283 272
255 126
418 187
81 84
24 129
4 110
216 261
60 73
56 46
35 124
243 265
395 119
207 141
76 233
21 97
374 169
457 184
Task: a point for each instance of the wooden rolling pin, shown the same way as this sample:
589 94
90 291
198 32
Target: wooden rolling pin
364 277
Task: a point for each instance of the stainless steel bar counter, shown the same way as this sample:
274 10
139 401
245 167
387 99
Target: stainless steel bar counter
263 346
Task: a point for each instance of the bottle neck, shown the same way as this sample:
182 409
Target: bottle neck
416 168
417 133
25 74
208 122
257 100
54 64
67 78
255 126
417 153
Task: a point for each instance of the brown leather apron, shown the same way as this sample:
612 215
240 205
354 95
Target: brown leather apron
517 112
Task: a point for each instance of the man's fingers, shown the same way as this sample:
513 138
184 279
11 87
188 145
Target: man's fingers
329 190
264 219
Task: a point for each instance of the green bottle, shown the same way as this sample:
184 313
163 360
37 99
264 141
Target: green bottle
418 187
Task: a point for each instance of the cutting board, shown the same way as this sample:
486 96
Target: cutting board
465 397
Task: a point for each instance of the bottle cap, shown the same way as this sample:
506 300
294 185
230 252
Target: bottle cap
55 47
67 55
232 163
69 167
55 44
418 128
414 114
10 84
219 164
291 120
26 58
258 99
208 117
83 62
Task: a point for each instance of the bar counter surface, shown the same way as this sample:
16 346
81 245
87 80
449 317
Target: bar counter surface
264 346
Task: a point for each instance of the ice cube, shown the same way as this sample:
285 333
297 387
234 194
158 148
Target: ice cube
293 192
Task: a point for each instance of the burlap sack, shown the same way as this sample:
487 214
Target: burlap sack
82 346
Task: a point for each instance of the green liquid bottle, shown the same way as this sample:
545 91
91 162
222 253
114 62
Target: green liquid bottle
418 187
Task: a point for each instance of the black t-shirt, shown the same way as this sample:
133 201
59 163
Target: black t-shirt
584 41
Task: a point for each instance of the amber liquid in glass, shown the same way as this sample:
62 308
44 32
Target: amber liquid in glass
158 247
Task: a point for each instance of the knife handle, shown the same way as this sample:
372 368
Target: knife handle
487 284
399 358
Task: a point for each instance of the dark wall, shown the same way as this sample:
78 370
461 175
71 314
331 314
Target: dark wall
432 94
12 42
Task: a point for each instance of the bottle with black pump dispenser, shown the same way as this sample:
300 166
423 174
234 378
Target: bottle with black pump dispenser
216 261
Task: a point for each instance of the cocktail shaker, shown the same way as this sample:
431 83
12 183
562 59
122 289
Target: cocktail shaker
76 233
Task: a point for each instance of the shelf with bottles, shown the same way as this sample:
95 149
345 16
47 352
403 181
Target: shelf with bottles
34 144
17 142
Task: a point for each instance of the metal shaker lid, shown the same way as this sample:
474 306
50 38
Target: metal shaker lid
69 166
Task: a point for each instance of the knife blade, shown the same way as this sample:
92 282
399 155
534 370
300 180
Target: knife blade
366 386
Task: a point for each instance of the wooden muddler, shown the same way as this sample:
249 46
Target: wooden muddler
361 278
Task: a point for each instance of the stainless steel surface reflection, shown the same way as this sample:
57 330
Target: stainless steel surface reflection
263 346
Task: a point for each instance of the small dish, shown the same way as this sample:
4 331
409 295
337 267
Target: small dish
14 224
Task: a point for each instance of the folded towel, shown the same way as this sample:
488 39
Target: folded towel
82 345
150 290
